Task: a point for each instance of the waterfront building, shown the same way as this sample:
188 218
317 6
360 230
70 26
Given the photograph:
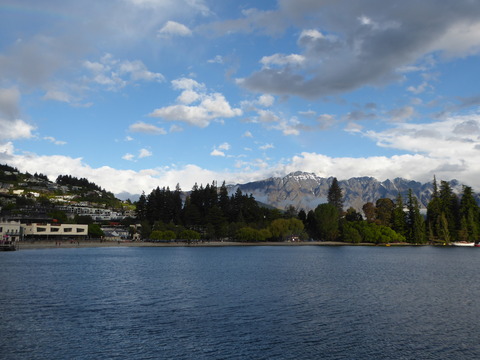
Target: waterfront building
55 231
10 231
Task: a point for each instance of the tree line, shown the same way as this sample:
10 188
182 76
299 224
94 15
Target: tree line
211 213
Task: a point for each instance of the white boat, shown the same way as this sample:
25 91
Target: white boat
463 243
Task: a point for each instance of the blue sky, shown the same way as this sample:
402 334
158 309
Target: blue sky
134 94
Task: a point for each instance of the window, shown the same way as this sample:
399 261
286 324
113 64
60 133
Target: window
41 229
67 230
80 230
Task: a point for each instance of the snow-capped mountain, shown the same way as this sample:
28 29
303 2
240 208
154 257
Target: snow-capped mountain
307 190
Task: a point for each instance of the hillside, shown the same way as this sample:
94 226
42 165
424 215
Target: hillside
27 195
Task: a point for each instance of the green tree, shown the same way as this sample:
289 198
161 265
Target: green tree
415 222
369 211
434 211
384 211
449 207
95 231
399 217
469 213
353 215
327 224
335 196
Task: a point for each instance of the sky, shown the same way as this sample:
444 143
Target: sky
135 94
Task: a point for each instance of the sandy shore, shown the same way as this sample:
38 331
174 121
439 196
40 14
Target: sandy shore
42 244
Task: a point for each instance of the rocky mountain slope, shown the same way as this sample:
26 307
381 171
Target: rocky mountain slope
306 190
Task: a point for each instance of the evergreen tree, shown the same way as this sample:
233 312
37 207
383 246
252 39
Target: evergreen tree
327 224
141 207
335 196
434 211
399 218
469 213
415 222
384 211
449 207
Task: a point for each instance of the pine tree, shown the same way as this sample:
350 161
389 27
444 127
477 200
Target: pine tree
335 196
434 211
469 213
415 222
399 218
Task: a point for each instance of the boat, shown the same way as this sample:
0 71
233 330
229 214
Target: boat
463 243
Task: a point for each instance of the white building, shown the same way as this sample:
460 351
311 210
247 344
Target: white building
37 230
11 231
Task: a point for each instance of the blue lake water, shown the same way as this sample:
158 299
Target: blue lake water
308 302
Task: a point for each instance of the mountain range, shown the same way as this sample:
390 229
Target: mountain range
306 190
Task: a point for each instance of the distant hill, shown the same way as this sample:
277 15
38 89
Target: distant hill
306 190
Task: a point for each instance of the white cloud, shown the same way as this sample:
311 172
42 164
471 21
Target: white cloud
210 106
128 156
224 146
448 148
11 127
173 28
143 153
216 152
54 141
16 129
419 89
58 95
282 60
247 134
266 100
266 147
115 74
141 127
220 149
216 60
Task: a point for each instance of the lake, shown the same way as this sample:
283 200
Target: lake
265 302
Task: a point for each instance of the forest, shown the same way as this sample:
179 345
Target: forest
210 213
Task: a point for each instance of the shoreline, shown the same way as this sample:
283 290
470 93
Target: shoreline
50 244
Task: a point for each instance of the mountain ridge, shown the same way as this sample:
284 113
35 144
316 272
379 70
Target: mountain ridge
305 190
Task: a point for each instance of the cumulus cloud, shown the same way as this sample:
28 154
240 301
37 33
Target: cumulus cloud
448 148
143 153
173 28
128 157
282 60
11 127
362 44
220 150
114 74
196 106
217 152
141 127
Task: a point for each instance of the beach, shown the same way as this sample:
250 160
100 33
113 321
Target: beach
52 244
